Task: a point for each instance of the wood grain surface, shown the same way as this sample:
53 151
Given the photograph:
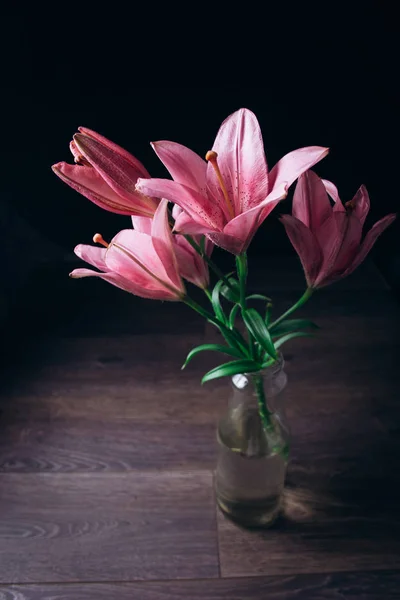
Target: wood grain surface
107 451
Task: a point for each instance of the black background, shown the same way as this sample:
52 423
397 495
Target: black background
314 75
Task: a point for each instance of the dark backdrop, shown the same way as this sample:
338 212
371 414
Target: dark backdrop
314 76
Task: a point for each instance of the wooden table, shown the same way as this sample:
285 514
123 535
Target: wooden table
107 451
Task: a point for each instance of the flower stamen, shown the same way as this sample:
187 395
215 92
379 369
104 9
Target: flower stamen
350 205
98 239
211 157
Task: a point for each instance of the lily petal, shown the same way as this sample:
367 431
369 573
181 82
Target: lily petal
93 255
123 284
136 164
191 266
244 226
241 160
334 194
292 165
198 207
339 236
163 244
185 224
310 201
306 245
90 184
120 172
362 204
184 165
369 241
142 224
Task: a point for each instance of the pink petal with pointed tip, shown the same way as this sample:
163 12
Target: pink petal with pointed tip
116 149
119 172
292 165
74 150
306 246
332 191
362 204
198 207
191 266
241 160
244 226
184 165
369 241
132 255
142 224
124 284
93 255
88 182
310 201
163 244
176 211
339 241
185 224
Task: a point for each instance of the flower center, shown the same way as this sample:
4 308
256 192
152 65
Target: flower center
98 239
211 157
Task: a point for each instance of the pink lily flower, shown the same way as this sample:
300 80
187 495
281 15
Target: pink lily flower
143 264
230 194
328 239
192 267
106 174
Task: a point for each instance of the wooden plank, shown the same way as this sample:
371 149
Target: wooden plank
95 404
340 513
357 586
99 528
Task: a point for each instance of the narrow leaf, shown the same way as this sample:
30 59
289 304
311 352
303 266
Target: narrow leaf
292 325
231 368
258 297
215 348
289 336
217 303
259 331
232 336
268 312
232 315
231 293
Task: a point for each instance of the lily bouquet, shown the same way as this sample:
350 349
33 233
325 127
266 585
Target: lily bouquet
221 200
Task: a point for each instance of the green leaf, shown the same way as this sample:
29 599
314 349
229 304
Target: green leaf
289 336
232 315
258 297
258 329
203 244
292 325
268 311
232 336
215 348
231 293
217 303
231 368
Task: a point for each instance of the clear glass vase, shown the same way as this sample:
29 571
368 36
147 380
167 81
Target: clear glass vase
253 448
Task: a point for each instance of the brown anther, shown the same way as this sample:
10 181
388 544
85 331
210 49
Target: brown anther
211 155
350 205
98 239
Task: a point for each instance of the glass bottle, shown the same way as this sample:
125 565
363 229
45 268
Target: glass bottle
253 448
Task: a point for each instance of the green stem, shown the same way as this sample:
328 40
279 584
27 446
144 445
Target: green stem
242 270
232 336
265 414
208 260
307 294
241 265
